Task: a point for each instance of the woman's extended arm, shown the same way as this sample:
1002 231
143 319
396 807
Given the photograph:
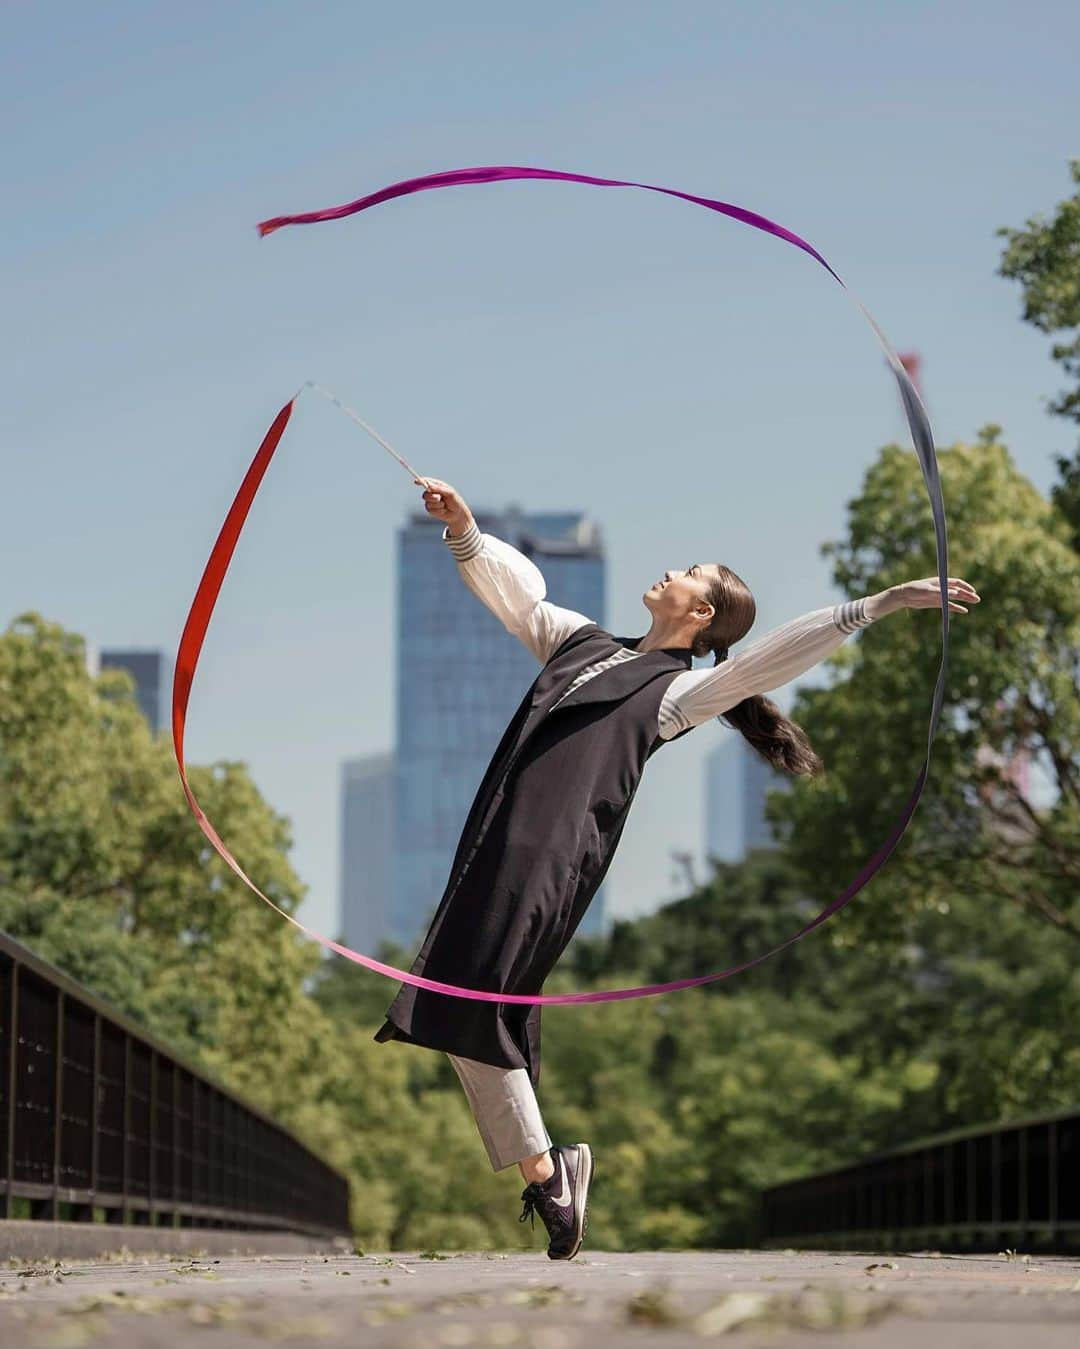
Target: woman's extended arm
504 579
694 696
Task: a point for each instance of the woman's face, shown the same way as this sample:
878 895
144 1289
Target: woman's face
678 593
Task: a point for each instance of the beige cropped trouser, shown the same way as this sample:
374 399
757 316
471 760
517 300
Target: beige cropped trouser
505 1108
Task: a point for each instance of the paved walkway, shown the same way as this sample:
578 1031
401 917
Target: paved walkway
425 1300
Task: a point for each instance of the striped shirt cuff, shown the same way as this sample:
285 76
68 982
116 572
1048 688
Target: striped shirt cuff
467 545
671 719
851 615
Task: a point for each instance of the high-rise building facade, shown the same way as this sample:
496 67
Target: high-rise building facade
737 781
367 821
758 779
460 677
147 668
723 818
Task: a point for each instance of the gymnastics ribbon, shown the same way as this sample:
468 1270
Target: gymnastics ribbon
206 596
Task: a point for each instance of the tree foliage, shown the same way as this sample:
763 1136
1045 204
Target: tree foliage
1044 257
1011 697
104 872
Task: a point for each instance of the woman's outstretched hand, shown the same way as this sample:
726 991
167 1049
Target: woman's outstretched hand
923 594
926 594
445 503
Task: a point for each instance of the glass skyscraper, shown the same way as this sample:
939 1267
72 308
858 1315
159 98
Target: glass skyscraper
758 779
460 677
147 669
723 825
737 781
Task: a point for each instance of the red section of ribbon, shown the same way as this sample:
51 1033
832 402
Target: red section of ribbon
202 607
187 658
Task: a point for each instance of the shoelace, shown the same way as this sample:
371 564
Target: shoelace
530 1194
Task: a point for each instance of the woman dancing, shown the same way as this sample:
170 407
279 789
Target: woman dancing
546 819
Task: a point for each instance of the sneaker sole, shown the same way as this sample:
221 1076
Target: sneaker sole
582 1180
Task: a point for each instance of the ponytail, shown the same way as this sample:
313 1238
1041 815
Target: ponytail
758 719
775 737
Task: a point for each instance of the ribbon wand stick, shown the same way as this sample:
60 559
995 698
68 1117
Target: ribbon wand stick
310 384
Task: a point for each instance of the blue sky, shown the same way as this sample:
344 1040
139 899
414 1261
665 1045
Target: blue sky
703 390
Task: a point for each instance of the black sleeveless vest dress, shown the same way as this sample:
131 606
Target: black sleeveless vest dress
539 836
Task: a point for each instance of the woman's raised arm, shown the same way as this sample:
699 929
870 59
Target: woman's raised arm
504 579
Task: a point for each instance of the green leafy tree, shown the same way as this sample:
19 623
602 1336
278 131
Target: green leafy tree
104 872
1044 257
743 910
101 867
1012 690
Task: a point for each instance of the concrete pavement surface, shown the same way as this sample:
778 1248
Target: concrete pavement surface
423 1300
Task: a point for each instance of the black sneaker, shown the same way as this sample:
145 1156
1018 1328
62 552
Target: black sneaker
561 1200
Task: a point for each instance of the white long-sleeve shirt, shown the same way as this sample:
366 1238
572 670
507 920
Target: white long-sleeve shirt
513 588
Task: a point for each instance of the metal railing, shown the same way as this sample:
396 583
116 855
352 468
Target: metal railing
1014 1185
96 1114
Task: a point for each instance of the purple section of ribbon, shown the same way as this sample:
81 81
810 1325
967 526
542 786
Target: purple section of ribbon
923 441
504 172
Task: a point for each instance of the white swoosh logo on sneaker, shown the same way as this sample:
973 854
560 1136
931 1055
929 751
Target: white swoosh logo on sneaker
563 1197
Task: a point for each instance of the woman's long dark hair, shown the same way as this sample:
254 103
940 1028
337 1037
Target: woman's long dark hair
777 739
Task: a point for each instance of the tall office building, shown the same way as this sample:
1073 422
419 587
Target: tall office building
758 779
723 818
147 668
367 814
737 780
460 677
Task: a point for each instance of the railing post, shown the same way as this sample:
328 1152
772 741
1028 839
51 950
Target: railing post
58 1103
948 1181
151 1143
1022 1181
95 1115
125 1162
927 1215
175 1196
9 1198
